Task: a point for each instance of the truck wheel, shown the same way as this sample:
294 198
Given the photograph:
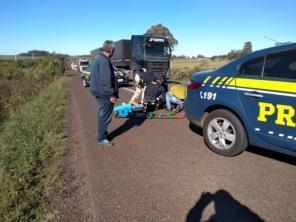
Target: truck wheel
84 82
224 133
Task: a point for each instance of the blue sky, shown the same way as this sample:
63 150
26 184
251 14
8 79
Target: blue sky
202 27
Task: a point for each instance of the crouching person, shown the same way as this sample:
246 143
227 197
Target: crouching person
175 97
142 79
154 95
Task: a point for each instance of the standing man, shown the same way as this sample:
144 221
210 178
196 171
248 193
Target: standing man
103 86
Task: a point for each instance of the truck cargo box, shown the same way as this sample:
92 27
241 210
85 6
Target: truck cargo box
122 53
94 53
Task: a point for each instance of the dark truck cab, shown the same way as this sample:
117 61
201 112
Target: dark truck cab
143 51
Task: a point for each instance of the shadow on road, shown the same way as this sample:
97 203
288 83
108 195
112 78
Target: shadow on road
272 154
128 124
256 150
195 129
226 209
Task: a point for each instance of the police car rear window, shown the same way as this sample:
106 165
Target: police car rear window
252 67
281 65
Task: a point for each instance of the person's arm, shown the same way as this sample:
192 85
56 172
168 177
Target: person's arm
105 78
161 91
143 94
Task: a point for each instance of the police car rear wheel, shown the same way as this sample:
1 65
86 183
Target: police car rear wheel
224 133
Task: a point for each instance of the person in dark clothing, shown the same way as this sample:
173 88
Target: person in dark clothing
103 86
161 79
154 94
142 78
153 91
146 77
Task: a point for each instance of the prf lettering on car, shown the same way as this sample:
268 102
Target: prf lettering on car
284 113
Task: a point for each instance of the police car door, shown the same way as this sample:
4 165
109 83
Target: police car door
267 91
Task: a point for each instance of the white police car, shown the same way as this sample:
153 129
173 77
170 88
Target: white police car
251 100
121 77
85 76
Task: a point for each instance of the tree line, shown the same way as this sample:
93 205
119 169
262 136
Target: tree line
40 53
233 54
162 31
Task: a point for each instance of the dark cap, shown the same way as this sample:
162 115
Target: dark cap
159 77
108 46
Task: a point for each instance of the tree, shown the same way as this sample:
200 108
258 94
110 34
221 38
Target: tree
200 56
162 31
234 54
247 48
35 53
282 43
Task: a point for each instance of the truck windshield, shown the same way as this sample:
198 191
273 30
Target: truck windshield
85 68
157 49
84 63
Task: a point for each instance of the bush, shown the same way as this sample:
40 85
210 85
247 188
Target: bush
184 68
29 146
21 80
184 73
31 136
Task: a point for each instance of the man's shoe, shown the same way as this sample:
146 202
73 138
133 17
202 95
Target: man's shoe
105 142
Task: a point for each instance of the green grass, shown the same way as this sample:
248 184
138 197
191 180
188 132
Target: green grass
30 144
182 69
20 81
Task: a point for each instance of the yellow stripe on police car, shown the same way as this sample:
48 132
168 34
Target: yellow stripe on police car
280 86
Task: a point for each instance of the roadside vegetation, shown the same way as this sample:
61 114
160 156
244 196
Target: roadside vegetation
20 81
32 103
183 68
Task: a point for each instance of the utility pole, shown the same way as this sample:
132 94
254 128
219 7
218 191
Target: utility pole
15 59
276 42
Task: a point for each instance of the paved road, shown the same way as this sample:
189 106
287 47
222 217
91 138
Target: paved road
160 170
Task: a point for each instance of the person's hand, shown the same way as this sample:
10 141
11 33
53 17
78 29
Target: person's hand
112 99
206 196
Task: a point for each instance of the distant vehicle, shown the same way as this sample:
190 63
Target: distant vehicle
82 64
122 79
74 66
142 51
251 100
85 76
121 76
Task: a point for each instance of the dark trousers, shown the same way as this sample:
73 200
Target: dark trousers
105 109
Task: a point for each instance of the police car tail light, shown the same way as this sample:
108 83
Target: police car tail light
192 85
